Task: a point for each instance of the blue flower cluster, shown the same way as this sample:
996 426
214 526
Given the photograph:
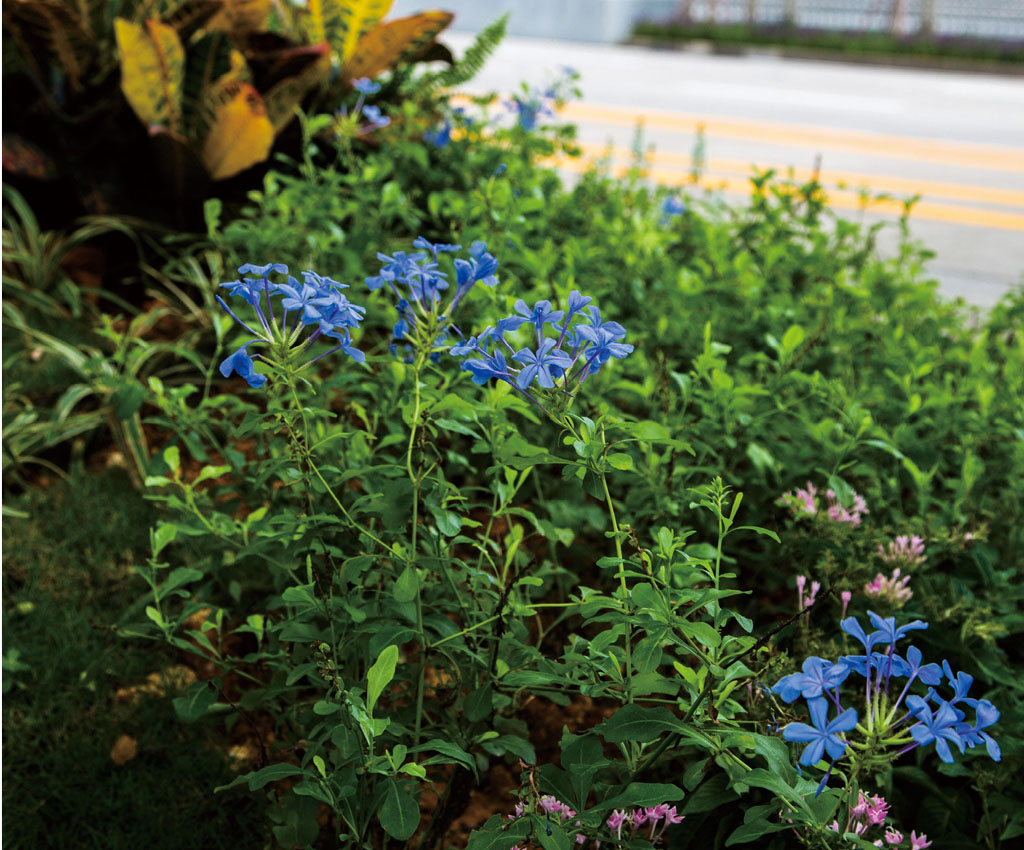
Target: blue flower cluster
536 103
892 718
373 115
418 282
581 345
317 301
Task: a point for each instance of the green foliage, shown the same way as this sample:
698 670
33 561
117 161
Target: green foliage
395 566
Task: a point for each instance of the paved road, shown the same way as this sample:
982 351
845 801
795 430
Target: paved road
957 140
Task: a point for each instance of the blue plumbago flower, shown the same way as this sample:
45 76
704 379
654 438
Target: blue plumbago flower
672 207
376 118
539 315
534 103
938 727
887 628
418 282
544 365
441 137
438 248
819 676
823 736
487 367
317 301
561 364
241 363
300 299
364 85
894 723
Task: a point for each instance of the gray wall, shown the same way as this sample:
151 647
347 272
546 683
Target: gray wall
577 20
612 20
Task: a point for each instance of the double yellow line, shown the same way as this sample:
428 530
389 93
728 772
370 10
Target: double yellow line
960 154
971 204
845 190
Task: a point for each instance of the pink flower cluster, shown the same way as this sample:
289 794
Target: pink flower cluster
805 599
804 502
550 805
635 820
904 551
893 589
871 812
639 818
851 516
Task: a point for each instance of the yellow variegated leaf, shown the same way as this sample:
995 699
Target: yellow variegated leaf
284 96
384 46
152 70
240 133
323 21
358 17
242 16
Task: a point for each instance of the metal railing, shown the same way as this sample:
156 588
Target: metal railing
997 19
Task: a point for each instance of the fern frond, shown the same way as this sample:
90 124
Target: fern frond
472 61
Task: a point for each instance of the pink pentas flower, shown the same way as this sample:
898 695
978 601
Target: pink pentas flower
840 513
616 820
803 502
892 589
863 804
553 806
904 551
671 816
919 842
846 596
878 810
893 835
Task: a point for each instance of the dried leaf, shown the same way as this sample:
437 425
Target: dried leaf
178 677
124 750
385 46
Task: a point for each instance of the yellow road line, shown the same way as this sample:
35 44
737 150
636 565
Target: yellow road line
967 154
873 182
838 199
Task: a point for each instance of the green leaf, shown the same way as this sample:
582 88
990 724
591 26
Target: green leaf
208 472
127 399
195 703
271 773
633 723
380 675
499 834
399 814
172 458
549 833
478 704
165 532
451 751
642 794
178 577
792 338
406 587
620 460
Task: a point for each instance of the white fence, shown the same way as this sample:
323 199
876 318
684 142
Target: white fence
1002 19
